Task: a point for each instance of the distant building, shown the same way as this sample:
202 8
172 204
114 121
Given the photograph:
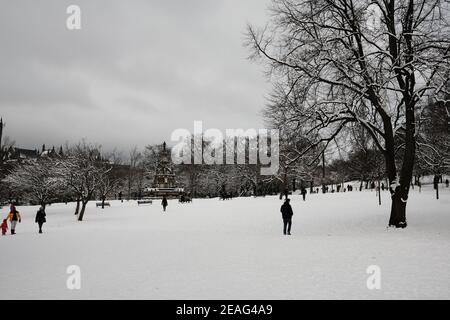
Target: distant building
15 154
21 154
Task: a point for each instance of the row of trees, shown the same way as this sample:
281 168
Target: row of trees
81 175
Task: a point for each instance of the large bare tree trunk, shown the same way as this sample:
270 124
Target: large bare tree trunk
436 185
398 211
77 209
323 172
401 191
398 207
379 192
437 191
83 209
129 186
400 196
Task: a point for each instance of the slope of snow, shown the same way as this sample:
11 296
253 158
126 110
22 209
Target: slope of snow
235 249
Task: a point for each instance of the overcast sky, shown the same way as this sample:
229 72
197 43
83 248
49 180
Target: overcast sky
136 71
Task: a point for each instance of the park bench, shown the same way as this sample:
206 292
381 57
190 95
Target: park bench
99 204
184 199
144 202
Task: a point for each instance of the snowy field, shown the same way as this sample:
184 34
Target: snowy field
235 249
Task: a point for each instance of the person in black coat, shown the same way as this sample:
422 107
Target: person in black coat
164 203
40 218
303 192
287 213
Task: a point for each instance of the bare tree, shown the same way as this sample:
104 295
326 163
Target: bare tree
367 62
193 172
115 157
135 157
106 183
5 146
39 181
82 173
433 151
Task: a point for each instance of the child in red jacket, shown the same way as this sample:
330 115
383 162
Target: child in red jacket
4 227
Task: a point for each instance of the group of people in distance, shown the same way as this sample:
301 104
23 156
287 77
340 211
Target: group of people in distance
14 218
286 213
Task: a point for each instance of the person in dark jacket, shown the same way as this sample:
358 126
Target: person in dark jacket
287 213
164 203
40 218
303 192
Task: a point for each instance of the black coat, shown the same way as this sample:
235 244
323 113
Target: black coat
286 211
40 216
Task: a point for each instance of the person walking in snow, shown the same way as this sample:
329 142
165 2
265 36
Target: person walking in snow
13 217
164 203
303 191
4 227
436 182
447 183
287 213
40 218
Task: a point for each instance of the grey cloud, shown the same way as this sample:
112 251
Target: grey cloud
148 66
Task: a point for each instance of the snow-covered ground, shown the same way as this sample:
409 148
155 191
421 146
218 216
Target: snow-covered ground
212 249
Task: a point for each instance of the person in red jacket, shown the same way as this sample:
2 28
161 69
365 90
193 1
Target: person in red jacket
4 226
